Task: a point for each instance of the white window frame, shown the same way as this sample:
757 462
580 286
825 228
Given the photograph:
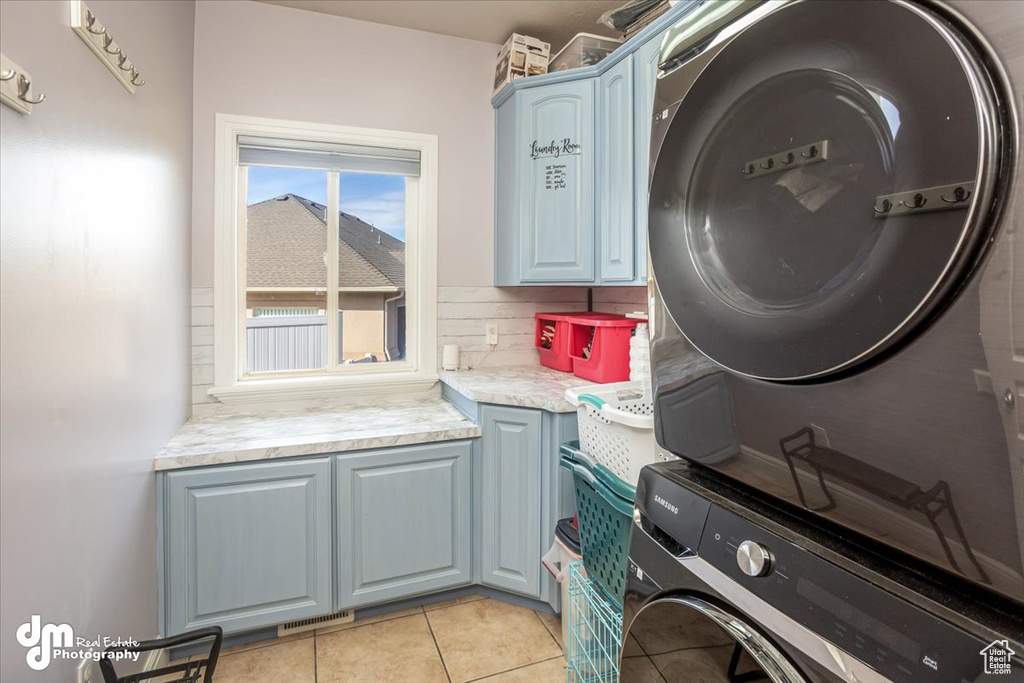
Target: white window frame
418 371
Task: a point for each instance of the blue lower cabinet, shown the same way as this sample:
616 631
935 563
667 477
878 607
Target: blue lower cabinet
510 543
247 546
403 522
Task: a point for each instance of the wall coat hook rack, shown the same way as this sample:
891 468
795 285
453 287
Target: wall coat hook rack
16 87
92 32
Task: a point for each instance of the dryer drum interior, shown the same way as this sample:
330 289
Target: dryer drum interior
824 186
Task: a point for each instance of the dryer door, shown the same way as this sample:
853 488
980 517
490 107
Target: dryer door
824 186
687 638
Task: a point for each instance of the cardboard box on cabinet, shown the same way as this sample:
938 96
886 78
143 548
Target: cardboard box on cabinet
521 56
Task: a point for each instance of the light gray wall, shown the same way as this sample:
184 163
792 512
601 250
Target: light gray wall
94 324
261 60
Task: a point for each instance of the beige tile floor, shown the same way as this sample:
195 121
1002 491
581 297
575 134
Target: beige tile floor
702 664
468 639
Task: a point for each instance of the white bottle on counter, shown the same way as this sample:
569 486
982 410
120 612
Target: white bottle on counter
640 355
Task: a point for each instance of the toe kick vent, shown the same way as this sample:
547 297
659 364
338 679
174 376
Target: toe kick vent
325 621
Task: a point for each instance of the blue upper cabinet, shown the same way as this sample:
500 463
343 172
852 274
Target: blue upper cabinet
572 163
645 77
554 156
615 164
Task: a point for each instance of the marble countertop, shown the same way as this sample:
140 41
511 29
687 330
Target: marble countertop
527 386
223 439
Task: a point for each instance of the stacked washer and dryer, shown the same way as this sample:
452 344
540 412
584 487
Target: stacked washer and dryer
837 342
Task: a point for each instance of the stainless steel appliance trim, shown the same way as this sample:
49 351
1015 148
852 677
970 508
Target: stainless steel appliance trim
775 663
825 653
709 27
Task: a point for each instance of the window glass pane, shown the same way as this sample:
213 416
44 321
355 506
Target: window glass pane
286 269
371 268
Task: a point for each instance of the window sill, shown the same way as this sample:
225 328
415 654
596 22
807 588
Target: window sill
298 388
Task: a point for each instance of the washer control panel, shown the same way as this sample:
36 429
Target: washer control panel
902 642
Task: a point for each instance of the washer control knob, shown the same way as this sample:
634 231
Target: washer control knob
754 559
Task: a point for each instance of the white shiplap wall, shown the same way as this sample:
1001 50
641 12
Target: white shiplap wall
620 299
462 316
464 312
202 350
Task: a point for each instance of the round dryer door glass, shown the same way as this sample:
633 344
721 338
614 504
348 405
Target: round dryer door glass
823 187
687 638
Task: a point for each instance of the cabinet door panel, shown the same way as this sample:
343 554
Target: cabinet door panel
556 184
511 503
615 173
645 65
403 520
248 546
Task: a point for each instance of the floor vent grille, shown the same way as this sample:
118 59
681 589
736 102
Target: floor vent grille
316 622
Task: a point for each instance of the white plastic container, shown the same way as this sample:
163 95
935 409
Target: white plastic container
585 49
557 561
616 423
640 356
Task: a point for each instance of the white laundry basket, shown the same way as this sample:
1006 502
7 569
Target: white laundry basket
616 424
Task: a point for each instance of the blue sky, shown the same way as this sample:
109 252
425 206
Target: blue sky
377 199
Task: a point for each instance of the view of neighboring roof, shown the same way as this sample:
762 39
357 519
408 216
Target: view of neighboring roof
287 241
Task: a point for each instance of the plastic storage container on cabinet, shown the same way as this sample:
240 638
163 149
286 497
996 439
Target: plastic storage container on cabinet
600 347
585 49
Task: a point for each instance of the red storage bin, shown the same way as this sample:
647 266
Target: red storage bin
607 338
552 337
552 340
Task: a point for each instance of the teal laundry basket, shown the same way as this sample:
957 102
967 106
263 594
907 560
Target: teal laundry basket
604 512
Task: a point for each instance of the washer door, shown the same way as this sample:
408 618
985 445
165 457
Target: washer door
686 638
824 186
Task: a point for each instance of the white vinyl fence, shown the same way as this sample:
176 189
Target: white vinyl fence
288 342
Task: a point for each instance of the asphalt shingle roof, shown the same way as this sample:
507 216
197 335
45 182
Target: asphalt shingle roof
287 241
